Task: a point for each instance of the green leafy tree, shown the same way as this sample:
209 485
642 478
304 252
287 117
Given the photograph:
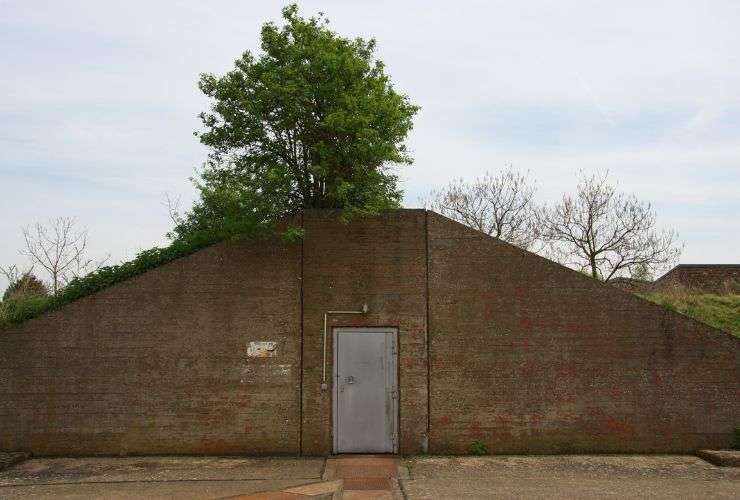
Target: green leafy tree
312 122
25 286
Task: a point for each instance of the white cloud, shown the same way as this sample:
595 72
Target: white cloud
98 101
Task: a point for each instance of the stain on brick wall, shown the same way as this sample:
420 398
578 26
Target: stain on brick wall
221 352
159 364
530 357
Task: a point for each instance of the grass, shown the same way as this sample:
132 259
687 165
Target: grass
719 311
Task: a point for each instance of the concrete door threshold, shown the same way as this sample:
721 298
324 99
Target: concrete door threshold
367 476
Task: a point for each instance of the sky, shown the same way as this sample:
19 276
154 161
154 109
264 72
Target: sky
99 102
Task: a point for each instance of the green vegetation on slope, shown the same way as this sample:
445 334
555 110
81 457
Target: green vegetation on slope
719 311
18 309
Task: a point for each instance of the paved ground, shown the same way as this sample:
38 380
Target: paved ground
625 476
155 477
428 477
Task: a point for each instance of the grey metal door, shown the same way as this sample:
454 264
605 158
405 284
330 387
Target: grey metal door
365 390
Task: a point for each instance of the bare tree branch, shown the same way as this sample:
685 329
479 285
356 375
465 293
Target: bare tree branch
19 280
173 208
60 250
499 205
605 233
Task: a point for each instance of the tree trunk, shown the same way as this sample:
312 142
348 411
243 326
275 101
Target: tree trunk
592 261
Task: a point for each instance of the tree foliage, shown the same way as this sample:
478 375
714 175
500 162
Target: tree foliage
312 122
500 205
605 233
26 285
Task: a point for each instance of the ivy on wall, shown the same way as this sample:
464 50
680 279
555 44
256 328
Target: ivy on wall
19 309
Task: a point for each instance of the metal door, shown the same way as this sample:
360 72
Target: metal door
365 390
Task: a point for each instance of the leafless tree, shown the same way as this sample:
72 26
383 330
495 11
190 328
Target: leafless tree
15 275
499 205
173 208
60 249
605 233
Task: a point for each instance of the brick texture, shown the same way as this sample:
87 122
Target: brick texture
524 355
698 278
530 357
380 261
158 364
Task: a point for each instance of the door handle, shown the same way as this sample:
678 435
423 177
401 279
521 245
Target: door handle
349 380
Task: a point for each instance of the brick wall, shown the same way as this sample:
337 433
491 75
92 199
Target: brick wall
530 357
380 261
525 355
158 364
700 278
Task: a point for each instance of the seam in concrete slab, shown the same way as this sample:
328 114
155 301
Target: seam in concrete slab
155 481
396 490
399 483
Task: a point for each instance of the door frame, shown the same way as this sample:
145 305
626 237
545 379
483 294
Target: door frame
335 386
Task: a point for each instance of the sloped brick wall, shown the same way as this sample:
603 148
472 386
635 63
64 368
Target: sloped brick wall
158 364
524 355
530 357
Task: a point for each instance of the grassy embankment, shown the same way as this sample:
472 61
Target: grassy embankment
719 311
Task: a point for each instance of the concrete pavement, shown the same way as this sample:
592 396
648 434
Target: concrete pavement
569 476
155 477
576 476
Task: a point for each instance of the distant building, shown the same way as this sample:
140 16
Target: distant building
700 278
721 279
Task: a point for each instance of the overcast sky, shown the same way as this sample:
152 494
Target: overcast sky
98 102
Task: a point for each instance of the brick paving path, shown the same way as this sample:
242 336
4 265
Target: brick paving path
365 476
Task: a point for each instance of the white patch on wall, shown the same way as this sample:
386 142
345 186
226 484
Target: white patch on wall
262 349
